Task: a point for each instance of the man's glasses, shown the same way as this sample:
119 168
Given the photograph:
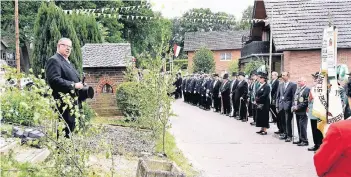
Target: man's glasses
70 47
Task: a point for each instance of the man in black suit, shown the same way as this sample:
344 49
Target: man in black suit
233 85
241 96
225 94
215 93
274 88
285 97
184 81
63 78
300 108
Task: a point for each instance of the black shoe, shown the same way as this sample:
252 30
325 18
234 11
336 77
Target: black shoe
263 133
297 142
283 137
277 132
243 120
253 123
288 139
314 148
259 132
303 144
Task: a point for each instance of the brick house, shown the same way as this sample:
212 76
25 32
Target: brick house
297 31
103 65
225 46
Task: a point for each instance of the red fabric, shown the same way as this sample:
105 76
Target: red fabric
333 159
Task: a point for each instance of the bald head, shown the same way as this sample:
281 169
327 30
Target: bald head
301 82
274 75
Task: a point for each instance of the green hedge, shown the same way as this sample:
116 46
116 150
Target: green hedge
181 63
128 99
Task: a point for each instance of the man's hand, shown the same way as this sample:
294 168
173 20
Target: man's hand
78 85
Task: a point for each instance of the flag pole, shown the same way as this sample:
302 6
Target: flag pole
17 40
270 46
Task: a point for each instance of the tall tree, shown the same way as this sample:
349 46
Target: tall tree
144 34
86 28
110 23
27 14
203 61
52 24
244 24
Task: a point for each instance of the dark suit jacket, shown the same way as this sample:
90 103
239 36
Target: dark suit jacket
60 75
236 82
241 91
215 88
274 90
262 95
285 97
302 103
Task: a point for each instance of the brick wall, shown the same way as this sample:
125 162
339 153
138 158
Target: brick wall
304 63
220 65
104 103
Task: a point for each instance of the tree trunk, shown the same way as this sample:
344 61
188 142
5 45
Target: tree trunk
25 63
163 139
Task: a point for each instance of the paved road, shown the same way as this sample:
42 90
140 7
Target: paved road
221 146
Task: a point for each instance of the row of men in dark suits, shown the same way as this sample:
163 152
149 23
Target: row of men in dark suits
236 96
226 95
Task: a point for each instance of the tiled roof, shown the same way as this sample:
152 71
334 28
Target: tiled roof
214 40
299 24
106 55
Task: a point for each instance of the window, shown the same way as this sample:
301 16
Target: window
226 56
107 89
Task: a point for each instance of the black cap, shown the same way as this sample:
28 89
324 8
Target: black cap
241 74
225 76
316 74
215 75
234 74
253 73
263 75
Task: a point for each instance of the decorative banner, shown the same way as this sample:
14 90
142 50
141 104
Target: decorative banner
332 110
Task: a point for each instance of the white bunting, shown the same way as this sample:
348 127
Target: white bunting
127 17
102 10
132 17
119 16
109 15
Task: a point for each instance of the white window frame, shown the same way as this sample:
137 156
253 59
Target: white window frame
227 56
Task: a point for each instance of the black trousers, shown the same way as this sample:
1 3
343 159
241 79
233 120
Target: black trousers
316 134
281 121
250 108
274 113
226 104
217 103
288 125
243 110
302 121
254 112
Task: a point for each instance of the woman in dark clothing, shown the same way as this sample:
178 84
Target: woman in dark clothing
263 103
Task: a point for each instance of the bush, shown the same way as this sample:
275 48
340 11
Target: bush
203 61
234 66
128 98
24 107
181 63
253 66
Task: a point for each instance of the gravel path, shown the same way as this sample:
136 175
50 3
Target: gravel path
125 140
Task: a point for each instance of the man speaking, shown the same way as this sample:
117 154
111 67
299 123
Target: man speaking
63 77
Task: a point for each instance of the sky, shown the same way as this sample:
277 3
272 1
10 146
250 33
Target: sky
175 8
